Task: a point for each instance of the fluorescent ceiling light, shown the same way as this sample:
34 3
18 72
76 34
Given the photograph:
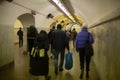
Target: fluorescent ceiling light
63 8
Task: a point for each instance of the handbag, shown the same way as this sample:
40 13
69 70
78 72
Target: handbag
89 48
36 52
68 61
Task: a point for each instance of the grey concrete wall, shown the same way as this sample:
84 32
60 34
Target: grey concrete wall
107 50
6 44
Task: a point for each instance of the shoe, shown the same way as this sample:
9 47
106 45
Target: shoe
48 78
37 78
81 76
87 74
61 69
56 71
51 57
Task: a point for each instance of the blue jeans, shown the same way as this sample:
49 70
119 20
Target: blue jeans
56 55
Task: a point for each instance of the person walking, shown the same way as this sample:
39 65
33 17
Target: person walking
59 44
68 39
73 35
81 43
32 34
50 34
40 62
20 35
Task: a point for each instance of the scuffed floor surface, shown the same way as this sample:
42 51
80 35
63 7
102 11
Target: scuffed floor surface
20 70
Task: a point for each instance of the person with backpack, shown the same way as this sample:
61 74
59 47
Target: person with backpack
40 59
32 34
82 39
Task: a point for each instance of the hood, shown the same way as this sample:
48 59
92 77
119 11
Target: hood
84 29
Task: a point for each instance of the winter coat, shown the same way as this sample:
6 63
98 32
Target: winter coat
31 37
40 65
82 38
50 35
59 40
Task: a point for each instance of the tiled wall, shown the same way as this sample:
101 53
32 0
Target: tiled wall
107 50
6 44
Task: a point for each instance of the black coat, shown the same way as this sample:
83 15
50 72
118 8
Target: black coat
59 40
40 65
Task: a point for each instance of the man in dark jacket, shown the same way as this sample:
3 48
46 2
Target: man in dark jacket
59 43
81 41
20 34
50 39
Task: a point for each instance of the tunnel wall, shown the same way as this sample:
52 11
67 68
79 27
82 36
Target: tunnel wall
6 44
107 49
8 14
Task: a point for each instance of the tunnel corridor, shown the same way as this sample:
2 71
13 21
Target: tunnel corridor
101 16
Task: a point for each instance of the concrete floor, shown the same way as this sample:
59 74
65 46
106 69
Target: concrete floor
20 70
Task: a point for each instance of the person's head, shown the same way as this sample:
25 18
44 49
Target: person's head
32 31
33 28
73 29
84 25
84 28
59 26
43 32
53 27
20 28
42 35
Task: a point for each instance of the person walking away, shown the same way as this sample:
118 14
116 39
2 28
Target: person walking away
20 35
68 39
32 34
81 39
40 65
73 34
50 39
59 44
31 37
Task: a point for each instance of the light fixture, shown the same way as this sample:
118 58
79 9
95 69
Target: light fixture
49 16
33 12
63 8
9 0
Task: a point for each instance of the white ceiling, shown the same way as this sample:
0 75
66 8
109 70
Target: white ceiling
90 10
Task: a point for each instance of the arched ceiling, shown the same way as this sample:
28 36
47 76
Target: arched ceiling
90 10
27 19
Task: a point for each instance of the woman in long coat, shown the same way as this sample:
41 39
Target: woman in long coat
40 65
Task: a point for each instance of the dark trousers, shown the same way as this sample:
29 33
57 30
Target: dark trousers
67 46
56 55
20 42
84 58
51 48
